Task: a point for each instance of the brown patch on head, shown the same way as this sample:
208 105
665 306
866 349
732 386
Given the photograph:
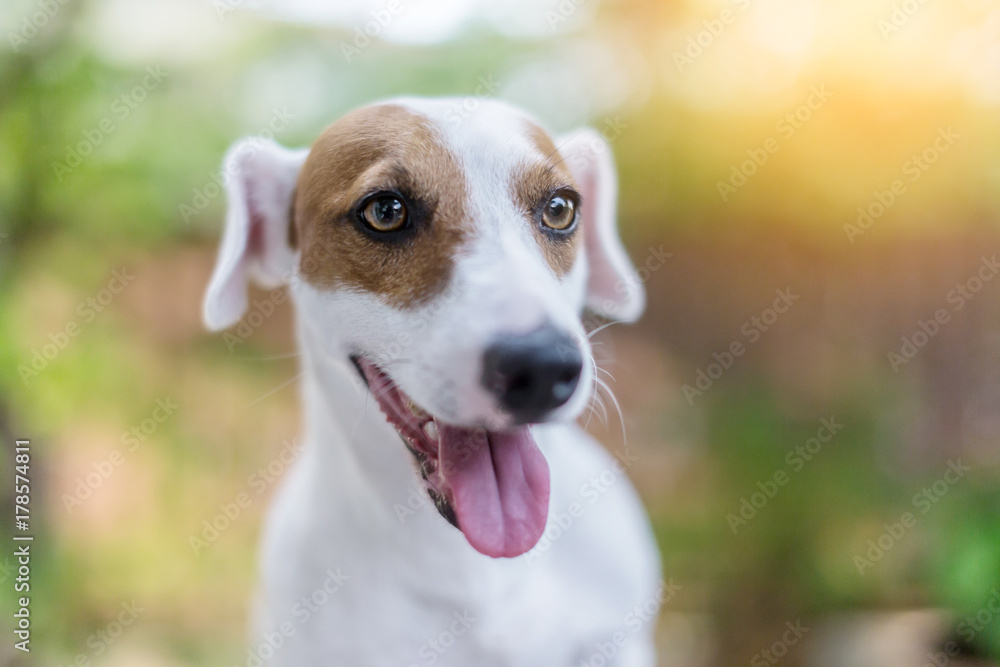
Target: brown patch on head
532 183
380 148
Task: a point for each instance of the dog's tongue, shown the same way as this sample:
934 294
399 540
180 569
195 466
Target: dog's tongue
500 487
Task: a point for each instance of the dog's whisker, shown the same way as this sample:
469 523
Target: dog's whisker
599 402
566 157
590 413
606 373
591 403
602 416
614 400
557 149
603 327
290 355
273 391
393 362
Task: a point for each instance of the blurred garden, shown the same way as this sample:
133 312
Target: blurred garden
812 190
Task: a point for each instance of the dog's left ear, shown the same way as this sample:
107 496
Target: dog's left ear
255 244
614 290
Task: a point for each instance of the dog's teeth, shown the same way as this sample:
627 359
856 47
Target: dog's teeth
414 409
431 429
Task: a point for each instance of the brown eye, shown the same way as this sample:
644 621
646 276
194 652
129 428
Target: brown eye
559 213
385 214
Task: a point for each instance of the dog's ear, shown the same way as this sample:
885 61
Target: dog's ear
260 181
614 290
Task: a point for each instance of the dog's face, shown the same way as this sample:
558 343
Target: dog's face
450 258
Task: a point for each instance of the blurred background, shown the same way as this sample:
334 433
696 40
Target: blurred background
812 188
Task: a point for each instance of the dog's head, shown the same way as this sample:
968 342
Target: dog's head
449 250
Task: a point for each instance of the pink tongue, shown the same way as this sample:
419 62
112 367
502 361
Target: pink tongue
500 486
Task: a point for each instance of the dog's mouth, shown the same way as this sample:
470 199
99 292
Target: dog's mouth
491 485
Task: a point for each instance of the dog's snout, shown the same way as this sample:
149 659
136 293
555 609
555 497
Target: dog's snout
532 374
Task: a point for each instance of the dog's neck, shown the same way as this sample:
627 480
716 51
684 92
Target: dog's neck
359 455
361 472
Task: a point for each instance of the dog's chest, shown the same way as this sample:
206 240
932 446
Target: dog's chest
412 592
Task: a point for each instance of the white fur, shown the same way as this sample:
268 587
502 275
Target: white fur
353 503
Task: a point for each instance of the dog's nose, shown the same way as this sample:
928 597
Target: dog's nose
532 374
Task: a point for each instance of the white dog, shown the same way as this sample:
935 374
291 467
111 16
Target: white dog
439 268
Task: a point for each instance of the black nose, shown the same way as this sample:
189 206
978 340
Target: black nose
532 374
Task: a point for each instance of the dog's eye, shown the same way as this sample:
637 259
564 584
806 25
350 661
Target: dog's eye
386 213
559 213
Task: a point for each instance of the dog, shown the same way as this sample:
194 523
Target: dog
446 508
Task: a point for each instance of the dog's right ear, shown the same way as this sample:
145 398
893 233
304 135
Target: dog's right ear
260 182
614 290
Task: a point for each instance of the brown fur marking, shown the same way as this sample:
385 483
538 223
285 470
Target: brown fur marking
383 147
534 181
